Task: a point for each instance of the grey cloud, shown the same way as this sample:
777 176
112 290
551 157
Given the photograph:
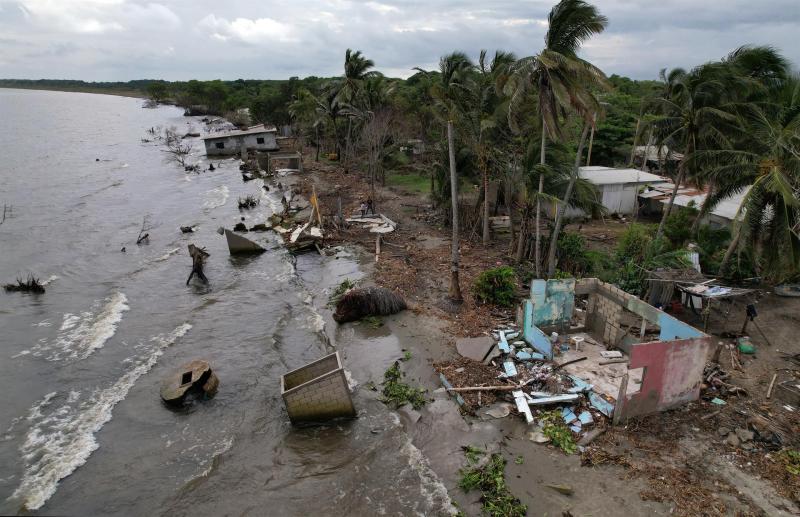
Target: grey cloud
182 39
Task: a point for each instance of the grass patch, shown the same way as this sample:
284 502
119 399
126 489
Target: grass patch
339 291
553 427
496 499
791 459
373 321
417 183
407 355
397 393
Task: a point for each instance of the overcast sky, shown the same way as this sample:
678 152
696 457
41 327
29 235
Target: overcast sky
105 40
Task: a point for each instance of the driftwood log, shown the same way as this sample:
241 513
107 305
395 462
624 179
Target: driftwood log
199 256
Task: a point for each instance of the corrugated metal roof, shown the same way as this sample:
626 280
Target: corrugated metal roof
726 208
252 130
597 175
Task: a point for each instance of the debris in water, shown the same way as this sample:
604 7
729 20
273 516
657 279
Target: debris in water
367 301
193 377
31 285
238 244
199 256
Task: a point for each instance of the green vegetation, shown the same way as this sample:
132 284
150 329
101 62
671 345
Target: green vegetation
496 499
553 427
407 355
791 459
410 182
398 393
373 321
344 286
497 286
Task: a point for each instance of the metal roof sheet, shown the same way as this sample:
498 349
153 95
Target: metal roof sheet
608 176
253 130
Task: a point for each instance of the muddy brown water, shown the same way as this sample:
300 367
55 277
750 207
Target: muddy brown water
82 428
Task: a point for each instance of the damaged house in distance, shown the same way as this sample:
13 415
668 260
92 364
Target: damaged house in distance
231 143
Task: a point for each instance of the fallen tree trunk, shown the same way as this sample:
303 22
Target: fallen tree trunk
199 256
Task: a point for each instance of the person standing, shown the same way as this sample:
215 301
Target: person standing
363 209
370 207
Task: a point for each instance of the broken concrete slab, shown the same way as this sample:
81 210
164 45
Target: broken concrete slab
238 244
497 410
522 405
556 399
195 376
475 348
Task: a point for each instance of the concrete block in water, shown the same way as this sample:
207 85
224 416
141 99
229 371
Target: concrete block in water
317 391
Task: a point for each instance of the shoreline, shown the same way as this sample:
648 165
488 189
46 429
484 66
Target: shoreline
413 266
134 94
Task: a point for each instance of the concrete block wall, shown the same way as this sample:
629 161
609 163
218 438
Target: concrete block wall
323 393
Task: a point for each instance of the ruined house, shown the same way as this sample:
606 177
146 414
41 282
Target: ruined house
661 358
230 143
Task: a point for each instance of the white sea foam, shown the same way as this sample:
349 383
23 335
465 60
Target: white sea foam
61 440
79 336
50 279
166 255
431 487
216 197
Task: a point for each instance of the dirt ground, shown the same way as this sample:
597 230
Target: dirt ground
670 463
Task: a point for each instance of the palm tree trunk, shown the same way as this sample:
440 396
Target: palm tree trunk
551 252
635 141
455 288
485 206
316 129
591 141
731 248
668 208
704 209
523 237
538 253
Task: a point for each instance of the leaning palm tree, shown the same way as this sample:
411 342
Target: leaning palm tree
559 77
695 114
767 168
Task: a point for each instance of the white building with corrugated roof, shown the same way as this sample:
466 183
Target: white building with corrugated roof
619 188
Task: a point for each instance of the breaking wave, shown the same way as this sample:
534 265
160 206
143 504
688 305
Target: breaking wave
166 255
216 197
51 279
80 335
62 438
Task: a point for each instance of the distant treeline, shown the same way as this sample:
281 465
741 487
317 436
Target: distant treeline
268 100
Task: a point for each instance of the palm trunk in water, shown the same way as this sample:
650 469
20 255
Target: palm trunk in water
455 288
551 252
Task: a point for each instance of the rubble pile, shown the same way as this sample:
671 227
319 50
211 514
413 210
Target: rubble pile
504 372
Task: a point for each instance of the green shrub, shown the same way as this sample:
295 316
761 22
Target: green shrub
572 254
678 227
497 286
340 290
634 243
554 428
712 244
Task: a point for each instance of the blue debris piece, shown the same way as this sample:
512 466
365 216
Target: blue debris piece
527 356
576 428
503 345
580 385
718 401
585 418
449 386
568 414
511 370
512 335
601 404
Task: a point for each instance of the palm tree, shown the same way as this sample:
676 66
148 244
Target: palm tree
751 74
357 69
767 166
694 114
560 77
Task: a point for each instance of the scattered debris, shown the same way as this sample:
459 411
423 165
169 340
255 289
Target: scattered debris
187 229
248 202
397 393
144 234
194 377
317 392
496 498
238 244
562 489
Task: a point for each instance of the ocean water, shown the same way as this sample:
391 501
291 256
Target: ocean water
82 427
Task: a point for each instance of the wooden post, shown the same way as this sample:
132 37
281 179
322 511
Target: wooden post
377 246
623 389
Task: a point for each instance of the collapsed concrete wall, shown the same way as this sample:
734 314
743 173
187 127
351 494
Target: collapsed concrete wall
318 391
672 365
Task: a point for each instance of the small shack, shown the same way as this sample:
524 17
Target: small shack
618 188
230 143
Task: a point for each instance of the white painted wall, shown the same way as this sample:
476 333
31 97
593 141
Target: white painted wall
233 144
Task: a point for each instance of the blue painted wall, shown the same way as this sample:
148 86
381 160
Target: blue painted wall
533 336
553 301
